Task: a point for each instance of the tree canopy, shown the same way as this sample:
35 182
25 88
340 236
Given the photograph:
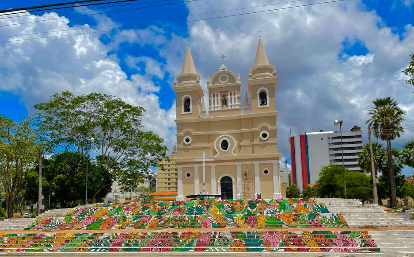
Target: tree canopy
121 144
18 152
292 191
409 71
386 123
407 154
333 178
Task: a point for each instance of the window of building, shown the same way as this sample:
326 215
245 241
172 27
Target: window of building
264 135
265 171
187 140
224 145
186 104
188 174
263 95
224 101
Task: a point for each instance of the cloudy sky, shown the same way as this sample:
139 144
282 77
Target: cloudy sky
333 58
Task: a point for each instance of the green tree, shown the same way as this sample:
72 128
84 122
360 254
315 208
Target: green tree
310 192
408 153
358 185
119 140
385 121
31 187
409 71
332 179
327 183
293 191
380 156
65 174
409 189
18 152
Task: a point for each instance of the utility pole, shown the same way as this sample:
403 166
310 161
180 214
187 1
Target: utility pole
39 200
374 178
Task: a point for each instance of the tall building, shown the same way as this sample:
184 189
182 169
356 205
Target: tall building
239 148
312 151
167 175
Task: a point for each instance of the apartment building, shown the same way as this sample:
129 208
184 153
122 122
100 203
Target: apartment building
312 151
167 175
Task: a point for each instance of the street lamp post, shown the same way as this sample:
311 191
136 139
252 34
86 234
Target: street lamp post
90 140
336 123
51 192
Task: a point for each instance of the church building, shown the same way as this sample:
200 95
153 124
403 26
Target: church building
237 143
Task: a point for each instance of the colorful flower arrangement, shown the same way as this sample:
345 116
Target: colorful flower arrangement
270 241
196 214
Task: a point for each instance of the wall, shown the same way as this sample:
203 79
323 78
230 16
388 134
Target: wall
318 154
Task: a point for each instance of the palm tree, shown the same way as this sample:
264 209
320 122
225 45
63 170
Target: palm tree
364 158
408 153
385 122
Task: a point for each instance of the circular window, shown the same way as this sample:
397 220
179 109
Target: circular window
188 174
264 135
187 140
265 172
223 78
224 145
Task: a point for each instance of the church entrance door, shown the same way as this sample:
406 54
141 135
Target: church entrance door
226 185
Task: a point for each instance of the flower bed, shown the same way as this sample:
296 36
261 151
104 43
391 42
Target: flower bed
196 214
316 241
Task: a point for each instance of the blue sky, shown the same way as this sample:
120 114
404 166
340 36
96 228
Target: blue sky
332 60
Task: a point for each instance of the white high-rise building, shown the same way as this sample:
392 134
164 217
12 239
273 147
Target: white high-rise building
312 151
351 146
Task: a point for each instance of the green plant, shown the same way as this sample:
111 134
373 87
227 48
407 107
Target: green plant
293 191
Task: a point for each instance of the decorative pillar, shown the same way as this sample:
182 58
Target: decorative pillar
239 182
213 179
180 196
256 180
276 181
196 180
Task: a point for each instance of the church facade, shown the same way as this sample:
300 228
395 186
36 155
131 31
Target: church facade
238 143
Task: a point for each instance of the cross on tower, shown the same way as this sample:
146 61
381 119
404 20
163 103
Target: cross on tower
260 36
222 57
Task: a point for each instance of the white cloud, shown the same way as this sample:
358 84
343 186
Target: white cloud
315 85
35 69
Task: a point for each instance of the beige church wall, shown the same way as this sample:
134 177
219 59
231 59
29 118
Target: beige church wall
208 178
270 120
185 153
265 148
227 170
231 77
194 105
254 98
188 183
266 181
232 145
224 125
282 189
224 112
203 126
187 127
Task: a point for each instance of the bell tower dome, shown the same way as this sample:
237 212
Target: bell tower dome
189 103
262 82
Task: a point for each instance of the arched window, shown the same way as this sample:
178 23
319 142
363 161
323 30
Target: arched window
186 104
224 101
263 100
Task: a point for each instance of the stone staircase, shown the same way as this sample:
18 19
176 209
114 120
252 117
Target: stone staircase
55 213
395 242
356 214
16 223
391 242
